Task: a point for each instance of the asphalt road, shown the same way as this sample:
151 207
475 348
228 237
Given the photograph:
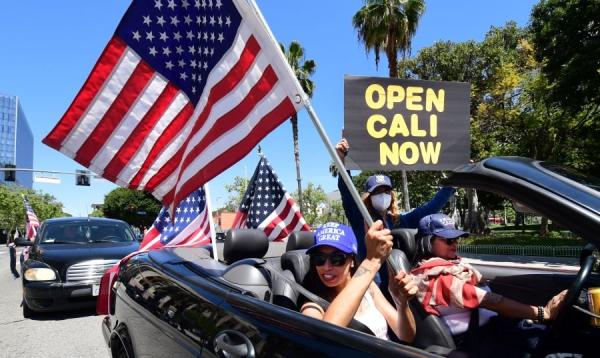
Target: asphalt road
74 334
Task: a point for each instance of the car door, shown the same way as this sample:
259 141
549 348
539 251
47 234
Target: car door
245 325
150 305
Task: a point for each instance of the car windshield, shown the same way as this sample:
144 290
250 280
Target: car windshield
508 231
589 181
86 232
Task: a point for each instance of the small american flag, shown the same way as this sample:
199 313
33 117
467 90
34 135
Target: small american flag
32 223
267 206
191 226
183 90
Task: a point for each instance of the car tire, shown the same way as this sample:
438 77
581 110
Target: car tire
27 312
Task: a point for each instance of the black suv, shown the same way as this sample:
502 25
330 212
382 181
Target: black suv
63 267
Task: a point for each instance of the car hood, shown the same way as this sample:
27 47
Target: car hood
61 256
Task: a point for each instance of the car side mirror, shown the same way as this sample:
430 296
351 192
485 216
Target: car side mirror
23 242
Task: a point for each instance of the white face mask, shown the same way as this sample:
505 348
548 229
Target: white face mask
381 202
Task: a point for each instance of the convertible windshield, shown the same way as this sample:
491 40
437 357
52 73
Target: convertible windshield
589 181
86 232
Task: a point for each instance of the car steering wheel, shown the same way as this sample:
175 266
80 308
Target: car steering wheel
587 263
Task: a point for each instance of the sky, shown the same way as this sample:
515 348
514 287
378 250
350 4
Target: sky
48 48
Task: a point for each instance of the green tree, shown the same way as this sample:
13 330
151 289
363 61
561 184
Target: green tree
236 190
132 206
314 199
333 213
97 213
566 34
303 69
389 26
12 210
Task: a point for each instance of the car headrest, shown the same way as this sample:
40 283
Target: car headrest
244 244
297 262
404 239
300 240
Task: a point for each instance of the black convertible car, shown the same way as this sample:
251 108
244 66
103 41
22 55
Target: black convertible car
67 259
181 302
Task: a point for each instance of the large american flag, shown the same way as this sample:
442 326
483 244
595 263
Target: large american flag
267 206
183 90
191 226
32 223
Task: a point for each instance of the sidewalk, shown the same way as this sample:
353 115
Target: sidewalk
566 264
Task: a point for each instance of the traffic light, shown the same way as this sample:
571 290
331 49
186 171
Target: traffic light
9 175
82 177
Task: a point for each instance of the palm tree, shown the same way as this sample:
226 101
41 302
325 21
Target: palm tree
303 69
389 26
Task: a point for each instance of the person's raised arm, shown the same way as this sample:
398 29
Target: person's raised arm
411 219
353 214
343 308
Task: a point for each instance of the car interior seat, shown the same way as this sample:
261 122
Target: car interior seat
432 333
299 240
243 251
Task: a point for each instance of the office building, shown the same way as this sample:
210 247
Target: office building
16 139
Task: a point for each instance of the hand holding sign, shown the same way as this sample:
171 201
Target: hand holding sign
342 148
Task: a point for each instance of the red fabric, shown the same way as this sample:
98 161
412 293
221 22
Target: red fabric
447 282
104 297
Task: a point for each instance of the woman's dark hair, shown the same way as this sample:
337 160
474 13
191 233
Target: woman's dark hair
313 283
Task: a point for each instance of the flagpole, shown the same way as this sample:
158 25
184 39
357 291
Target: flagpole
213 236
303 98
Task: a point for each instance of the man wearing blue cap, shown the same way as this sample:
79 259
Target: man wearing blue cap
337 276
451 288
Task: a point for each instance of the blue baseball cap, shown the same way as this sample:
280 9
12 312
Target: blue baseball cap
375 181
439 225
335 235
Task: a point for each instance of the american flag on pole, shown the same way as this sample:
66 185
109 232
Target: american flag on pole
183 90
191 226
267 206
32 223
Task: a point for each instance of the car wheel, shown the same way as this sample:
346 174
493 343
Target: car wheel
27 312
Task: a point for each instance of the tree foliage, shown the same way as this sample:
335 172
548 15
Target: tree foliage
12 209
566 34
514 109
303 69
132 206
313 197
236 190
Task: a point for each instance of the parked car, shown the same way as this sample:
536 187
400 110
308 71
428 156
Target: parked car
63 267
181 302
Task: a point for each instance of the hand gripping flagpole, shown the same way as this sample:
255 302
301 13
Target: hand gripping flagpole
303 98
344 174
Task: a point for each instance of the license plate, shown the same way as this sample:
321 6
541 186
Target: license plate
95 290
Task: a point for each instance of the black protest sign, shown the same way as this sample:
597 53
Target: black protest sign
394 124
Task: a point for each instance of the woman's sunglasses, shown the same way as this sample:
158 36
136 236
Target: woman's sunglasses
336 258
450 241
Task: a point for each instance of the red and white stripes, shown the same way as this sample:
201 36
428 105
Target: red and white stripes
131 126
